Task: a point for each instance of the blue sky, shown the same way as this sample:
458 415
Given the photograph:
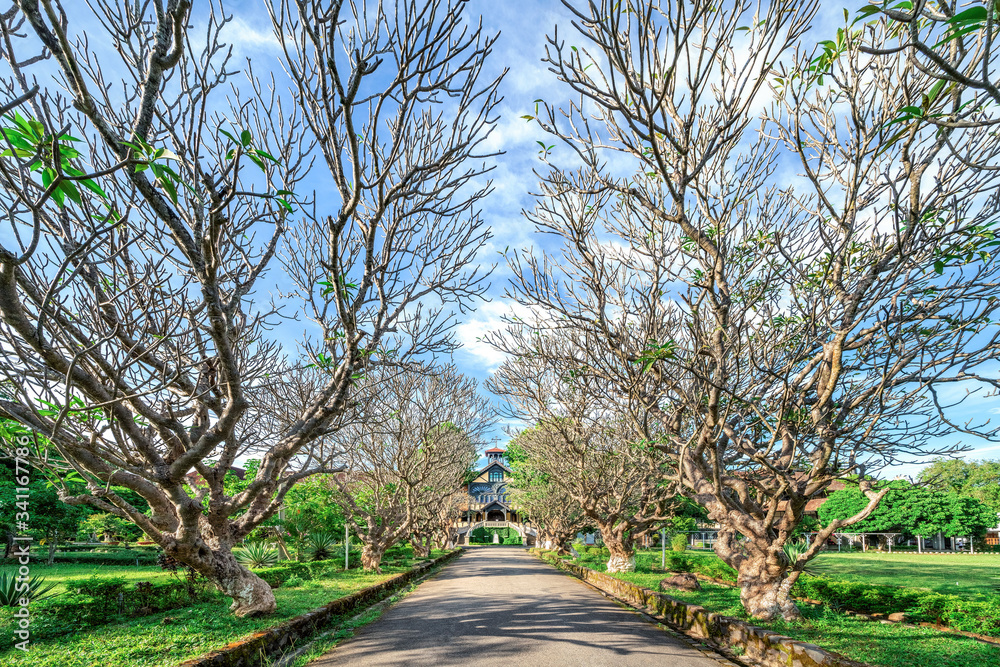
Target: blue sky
523 27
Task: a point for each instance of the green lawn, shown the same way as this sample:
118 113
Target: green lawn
61 572
168 638
884 645
954 574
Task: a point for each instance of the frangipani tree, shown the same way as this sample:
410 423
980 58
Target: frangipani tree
408 456
588 446
148 187
783 332
556 514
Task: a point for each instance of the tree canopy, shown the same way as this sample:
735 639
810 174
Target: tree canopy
913 510
976 479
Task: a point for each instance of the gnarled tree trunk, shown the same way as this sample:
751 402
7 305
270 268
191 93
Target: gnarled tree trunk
371 556
621 550
561 541
765 590
421 547
252 596
762 576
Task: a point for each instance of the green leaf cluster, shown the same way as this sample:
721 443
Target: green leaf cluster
912 510
26 139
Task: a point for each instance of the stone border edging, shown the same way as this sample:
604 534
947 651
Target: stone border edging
249 652
760 646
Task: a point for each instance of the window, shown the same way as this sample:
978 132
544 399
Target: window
496 475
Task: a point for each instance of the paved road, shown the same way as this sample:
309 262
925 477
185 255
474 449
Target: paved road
502 606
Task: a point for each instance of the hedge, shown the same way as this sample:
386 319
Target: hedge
277 575
127 558
972 613
99 547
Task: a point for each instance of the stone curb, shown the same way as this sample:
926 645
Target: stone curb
760 647
252 651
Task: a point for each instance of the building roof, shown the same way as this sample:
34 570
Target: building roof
493 464
495 450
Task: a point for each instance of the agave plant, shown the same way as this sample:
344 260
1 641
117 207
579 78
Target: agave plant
792 552
256 554
10 594
319 545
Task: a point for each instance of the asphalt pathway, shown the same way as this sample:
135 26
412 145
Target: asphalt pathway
502 606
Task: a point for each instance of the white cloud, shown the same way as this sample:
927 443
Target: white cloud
471 333
488 319
247 38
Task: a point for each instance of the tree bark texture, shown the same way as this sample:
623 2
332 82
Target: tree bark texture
765 591
622 554
371 556
421 547
252 596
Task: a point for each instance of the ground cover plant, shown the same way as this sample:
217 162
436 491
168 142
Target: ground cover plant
883 645
974 610
62 572
167 638
953 574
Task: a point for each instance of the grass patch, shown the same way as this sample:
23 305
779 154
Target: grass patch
168 638
954 574
59 573
951 574
885 645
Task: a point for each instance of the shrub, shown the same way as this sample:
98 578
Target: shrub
319 546
293 581
106 592
979 613
679 542
97 601
676 562
110 527
256 554
714 568
354 553
12 590
282 572
193 582
793 550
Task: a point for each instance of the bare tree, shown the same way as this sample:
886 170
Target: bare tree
556 514
952 44
408 454
782 336
435 524
130 275
586 448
